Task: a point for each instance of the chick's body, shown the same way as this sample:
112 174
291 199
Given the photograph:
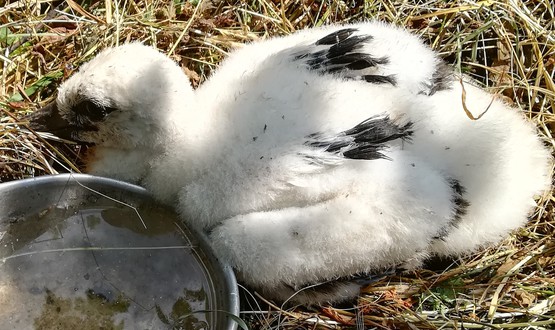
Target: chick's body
323 155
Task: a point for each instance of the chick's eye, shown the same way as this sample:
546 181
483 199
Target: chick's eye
92 111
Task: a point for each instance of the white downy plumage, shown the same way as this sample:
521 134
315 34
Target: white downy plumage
314 158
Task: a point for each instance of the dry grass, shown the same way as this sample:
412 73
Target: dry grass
509 46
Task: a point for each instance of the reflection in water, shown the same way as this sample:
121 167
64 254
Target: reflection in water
98 267
92 312
182 316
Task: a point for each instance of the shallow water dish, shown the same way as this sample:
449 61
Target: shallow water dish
75 259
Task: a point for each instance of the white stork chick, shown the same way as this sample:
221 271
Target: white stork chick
312 160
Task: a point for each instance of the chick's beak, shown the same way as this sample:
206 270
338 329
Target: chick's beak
48 119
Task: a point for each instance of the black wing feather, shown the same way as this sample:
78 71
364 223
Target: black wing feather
460 206
366 140
336 37
344 55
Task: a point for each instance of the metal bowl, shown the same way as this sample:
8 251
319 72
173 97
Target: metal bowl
84 252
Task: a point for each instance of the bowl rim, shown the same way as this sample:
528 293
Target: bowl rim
82 179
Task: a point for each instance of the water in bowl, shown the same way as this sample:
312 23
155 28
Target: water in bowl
96 266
